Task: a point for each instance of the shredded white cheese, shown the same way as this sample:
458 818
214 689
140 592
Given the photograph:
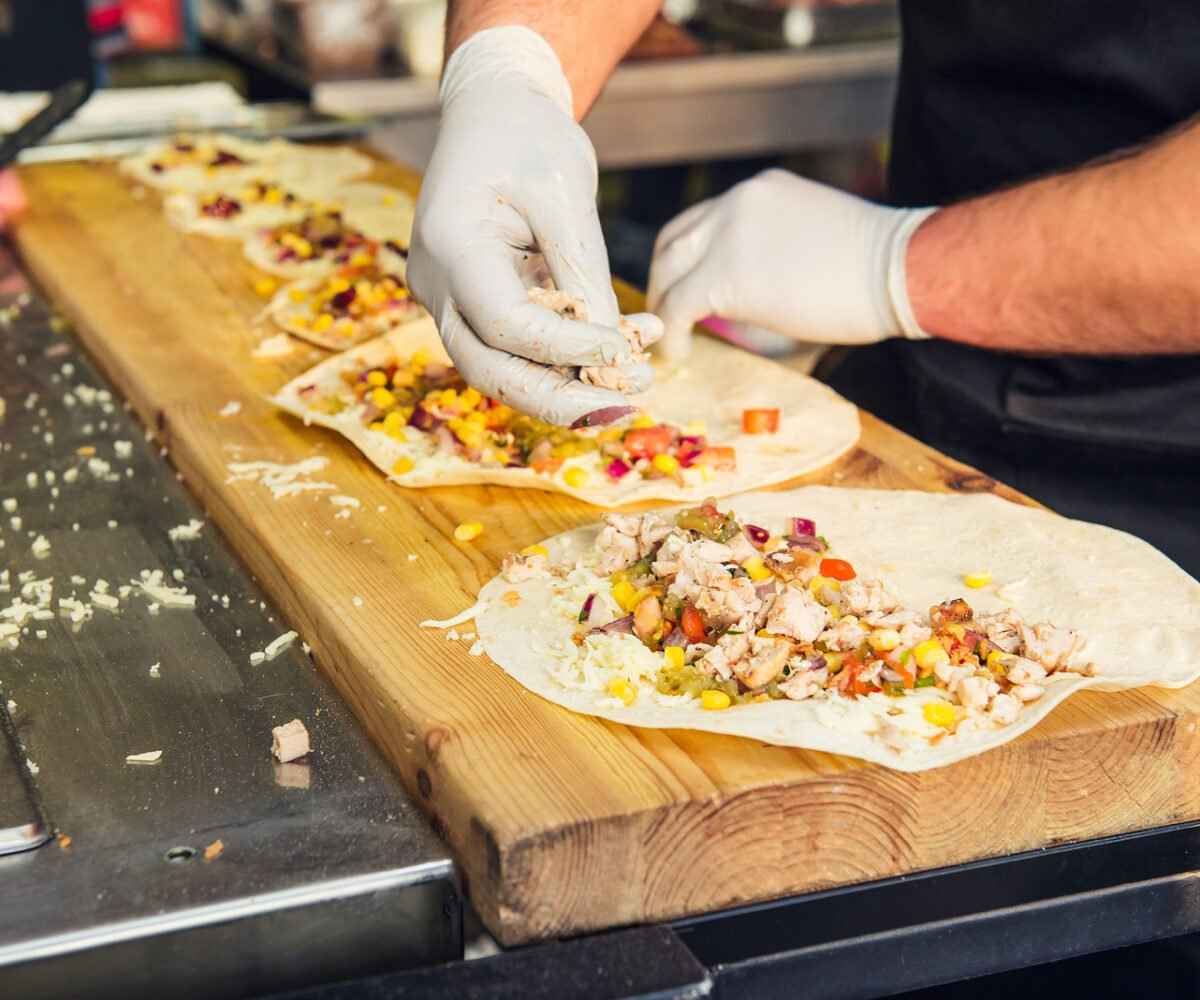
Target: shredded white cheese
279 346
151 584
279 644
186 532
230 409
463 616
282 480
149 757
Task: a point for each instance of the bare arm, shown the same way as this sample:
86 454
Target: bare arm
1104 259
589 36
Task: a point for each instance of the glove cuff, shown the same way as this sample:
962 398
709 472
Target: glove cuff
510 51
897 273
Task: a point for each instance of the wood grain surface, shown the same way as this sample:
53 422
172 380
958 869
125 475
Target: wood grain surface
561 823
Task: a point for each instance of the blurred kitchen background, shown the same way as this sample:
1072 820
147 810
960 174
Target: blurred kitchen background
714 91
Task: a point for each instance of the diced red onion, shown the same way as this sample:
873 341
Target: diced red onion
758 536
446 442
422 419
605 415
690 448
617 627
676 638
765 589
803 526
586 611
805 542
618 468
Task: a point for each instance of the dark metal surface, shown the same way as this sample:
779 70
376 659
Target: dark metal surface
649 963
958 923
326 869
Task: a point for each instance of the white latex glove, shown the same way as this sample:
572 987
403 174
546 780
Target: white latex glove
790 255
511 174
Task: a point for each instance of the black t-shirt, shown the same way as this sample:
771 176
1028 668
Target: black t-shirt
992 93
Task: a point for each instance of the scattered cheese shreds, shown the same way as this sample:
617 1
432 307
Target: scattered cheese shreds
281 480
279 346
154 669
279 644
230 409
186 532
149 757
463 616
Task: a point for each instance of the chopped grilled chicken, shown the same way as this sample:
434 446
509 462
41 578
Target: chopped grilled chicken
867 596
947 612
1003 629
768 657
796 613
1005 709
845 634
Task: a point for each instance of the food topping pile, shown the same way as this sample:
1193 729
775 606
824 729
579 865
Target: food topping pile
355 292
223 206
736 614
417 394
322 235
207 154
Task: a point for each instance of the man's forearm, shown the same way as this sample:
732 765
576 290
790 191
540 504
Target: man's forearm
589 36
1104 259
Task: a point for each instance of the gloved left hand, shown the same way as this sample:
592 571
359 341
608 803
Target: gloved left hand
788 254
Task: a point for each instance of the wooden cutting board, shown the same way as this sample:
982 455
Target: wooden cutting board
561 823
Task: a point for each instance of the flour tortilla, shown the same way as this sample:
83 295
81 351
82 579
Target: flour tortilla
816 426
295 317
277 160
184 211
381 214
1135 609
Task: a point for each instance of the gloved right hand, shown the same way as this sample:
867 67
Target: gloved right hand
512 175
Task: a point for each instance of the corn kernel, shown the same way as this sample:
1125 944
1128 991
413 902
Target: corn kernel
273 196
470 398
625 595
322 323
643 420
377 378
714 701
302 247
476 417
389 199
939 713
337 285
447 397
536 550
819 585
977 580
402 466
695 427
575 477
419 359
383 398
361 259
265 287
929 654
756 570
673 656
620 688
468 530
611 434
667 464
468 434
997 662
883 639
706 473
298 295
394 421
375 425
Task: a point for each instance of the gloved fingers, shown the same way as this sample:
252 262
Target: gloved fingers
531 388
684 221
573 245
648 326
681 306
496 305
677 257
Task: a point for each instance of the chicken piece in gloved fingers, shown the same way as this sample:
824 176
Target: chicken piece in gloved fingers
788 254
512 173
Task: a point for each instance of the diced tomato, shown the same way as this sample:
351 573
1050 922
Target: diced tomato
646 442
903 664
547 465
692 624
762 421
852 667
837 569
719 458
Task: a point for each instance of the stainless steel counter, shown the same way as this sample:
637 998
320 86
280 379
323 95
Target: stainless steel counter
320 869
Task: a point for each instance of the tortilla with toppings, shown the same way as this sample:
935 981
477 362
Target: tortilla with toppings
343 309
207 163
911 629
399 400
331 235
233 212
